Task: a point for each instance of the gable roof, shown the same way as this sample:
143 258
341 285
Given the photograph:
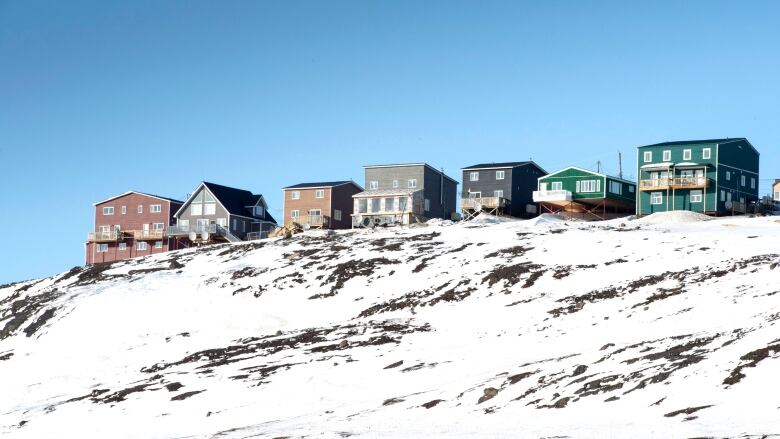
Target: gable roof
233 200
322 185
401 165
139 193
589 172
710 141
504 165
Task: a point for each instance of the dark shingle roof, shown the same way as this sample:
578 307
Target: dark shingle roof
164 198
696 142
320 184
235 200
498 165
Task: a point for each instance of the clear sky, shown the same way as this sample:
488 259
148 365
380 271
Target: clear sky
100 97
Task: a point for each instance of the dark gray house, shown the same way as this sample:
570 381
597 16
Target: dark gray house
500 189
404 194
216 213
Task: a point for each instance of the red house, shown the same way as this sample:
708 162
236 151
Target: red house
130 225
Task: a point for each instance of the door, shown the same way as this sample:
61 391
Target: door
146 229
699 176
542 187
202 225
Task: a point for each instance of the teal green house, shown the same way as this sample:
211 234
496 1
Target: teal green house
578 192
714 177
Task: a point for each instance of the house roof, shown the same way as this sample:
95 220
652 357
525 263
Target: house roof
697 142
321 185
139 193
234 200
601 174
500 165
399 165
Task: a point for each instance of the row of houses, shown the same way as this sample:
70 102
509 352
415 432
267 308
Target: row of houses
715 177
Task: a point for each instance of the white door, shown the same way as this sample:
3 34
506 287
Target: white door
202 224
543 187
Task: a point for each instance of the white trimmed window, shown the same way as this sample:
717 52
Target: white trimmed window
648 156
319 193
616 187
140 208
295 195
155 208
412 183
742 180
293 214
141 245
656 198
124 210
395 184
752 182
108 210
183 223
122 246
476 194
427 205
197 209
668 156
498 193
473 176
777 196
157 244
696 197
222 222
259 211
373 185
686 154
557 185
210 209
706 153
589 186
728 175
500 175
158 226
337 214
101 248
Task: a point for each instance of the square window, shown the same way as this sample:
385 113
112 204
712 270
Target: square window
411 184
259 211
706 153
158 244
696 197
557 185
158 226
395 184
373 185
473 176
498 193
102 248
141 245
197 209
210 209
667 156
122 246
631 189
656 198
320 193
648 156
108 211
295 213
686 154
295 195
500 175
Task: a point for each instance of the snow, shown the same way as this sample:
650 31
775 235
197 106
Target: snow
677 216
620 325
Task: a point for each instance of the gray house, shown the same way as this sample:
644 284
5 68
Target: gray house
500 189
216 213
404 194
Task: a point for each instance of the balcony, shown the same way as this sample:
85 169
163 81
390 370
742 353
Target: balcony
556 195
674 183
198 228
107 236
654 184
313 221
148 235
479 203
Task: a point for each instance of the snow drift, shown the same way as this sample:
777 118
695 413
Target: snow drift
510 329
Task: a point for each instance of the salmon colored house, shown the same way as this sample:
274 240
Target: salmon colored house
130 225
323 205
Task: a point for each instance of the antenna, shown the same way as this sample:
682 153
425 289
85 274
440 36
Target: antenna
598 166
620 164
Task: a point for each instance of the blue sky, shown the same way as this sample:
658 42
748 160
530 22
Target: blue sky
101 97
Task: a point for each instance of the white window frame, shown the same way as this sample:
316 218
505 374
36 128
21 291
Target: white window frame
668 155
196 209
158 226
616 187
696 196
158 244
337 214
222 222
101 248
319 193
141 246
124 210
295 213
295 195
556 186
140 208
648 156
427 205
209 208
500 175
122 247
777 195
498 193
411 183
585 185
155 208
656 198
706 153
474 176
315 212
108 210
395 184
373 185
475 194
259 211
687 154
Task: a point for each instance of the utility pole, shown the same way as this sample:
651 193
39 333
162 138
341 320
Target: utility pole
598 166
620 164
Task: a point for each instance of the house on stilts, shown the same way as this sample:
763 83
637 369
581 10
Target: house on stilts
589 195
500 189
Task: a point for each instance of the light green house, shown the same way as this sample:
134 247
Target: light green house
590 195
715 177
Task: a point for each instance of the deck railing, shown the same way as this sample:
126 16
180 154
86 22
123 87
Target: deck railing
312 220
141 235
180 230
106 236
473 203
555 195
674 183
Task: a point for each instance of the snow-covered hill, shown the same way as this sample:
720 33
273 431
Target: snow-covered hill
649 328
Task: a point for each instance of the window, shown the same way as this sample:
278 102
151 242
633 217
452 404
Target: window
588 186
140 208
686 154
722 195
728 175
777 196
500 175
557 185
235 224
124 210
473 176
222 222
389 204
102 248
141 245
210 209
157 244
183 223
295 213
427 205
742 180
243 226
373 185
648 156
259 211
498 193
752 182
197 209
122 246
208 197
158 226
411 184
295 195
706 153
319 193
362 205
656 198
667 156
696 197
631 189
108 211
616 187
402 204
475 194
315 212
395 184
337 215
375 207
155 208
